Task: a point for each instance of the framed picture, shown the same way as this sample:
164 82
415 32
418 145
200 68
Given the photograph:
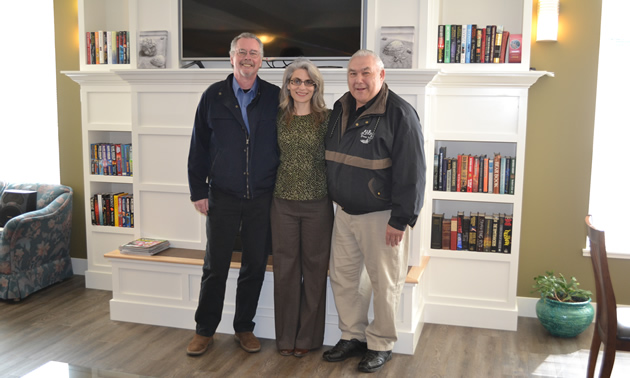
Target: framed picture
152 49
396 46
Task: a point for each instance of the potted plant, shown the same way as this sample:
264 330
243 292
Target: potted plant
564 309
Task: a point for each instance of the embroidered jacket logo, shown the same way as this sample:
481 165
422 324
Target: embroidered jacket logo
367 136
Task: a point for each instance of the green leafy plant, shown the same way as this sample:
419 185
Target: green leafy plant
557 288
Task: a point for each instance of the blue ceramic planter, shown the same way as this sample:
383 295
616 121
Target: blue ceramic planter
564 319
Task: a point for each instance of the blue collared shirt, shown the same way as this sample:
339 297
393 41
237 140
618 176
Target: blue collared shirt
244 98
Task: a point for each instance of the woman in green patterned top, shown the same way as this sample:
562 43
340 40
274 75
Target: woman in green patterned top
301 213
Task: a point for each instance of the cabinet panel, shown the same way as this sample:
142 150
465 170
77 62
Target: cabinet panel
102 242
163 159
141 283
171 216
174 109
477 114
108 108
464 280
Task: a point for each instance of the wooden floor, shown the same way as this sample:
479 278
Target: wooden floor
69 323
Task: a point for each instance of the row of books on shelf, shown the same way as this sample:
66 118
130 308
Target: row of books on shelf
144 246
112 209
473 44
107 47
474 173
111 159
478 232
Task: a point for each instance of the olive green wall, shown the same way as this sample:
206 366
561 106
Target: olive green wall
69 113
559 150
559 146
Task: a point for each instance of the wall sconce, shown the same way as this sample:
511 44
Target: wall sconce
547 29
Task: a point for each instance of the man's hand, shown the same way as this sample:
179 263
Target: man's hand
202 206
393 236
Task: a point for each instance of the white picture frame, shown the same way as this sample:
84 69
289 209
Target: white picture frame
152 49
397 46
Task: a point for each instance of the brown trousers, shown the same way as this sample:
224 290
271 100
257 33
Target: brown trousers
301 232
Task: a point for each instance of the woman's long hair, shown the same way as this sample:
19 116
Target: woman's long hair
318 106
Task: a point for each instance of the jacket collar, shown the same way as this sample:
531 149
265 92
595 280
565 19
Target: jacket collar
377 108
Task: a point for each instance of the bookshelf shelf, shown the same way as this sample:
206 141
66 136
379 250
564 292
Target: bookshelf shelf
470 255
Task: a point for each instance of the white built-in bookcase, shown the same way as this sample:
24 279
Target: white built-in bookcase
469 108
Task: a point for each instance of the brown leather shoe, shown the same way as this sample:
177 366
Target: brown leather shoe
199 345
248 341
300 352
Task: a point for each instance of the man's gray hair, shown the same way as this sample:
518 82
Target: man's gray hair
246 35
366 52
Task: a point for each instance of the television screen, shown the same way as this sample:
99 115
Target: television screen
323 29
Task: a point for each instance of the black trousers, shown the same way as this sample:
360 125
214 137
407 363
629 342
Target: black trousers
226 215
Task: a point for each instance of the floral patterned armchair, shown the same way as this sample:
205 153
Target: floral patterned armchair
35 246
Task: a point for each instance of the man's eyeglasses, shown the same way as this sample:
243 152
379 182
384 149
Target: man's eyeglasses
298 82
243 53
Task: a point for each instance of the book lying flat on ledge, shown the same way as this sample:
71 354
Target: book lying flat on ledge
144 246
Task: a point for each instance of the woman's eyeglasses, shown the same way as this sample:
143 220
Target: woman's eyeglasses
298 82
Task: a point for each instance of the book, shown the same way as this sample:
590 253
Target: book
481 228
514 48
506 36
479 45
472 234
487 233
436 230
465 231
464 173
496 173
145 246
446 233
458 48
469 42
495 232
512 175
453 244
473 42
460 229
453 43
464 43
500 233
440 52
507 234
489 44
498 39
447 43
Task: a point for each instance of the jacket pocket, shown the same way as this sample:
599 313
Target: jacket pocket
378 189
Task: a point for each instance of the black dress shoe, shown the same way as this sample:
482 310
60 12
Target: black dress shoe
345 349
374 360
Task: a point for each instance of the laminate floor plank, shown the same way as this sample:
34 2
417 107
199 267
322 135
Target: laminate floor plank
69 323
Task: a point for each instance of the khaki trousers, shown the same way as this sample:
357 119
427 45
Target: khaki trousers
361 264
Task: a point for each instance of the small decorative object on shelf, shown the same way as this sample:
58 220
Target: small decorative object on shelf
145 246
563 309
396 49
152 48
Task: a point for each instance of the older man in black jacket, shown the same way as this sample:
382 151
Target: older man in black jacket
232 172
376 175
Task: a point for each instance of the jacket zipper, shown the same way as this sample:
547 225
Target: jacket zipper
247 167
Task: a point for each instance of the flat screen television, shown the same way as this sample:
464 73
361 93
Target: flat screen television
318 30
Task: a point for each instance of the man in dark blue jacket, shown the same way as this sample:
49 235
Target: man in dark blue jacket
231 173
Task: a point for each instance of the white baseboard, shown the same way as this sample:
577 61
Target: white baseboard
79 266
